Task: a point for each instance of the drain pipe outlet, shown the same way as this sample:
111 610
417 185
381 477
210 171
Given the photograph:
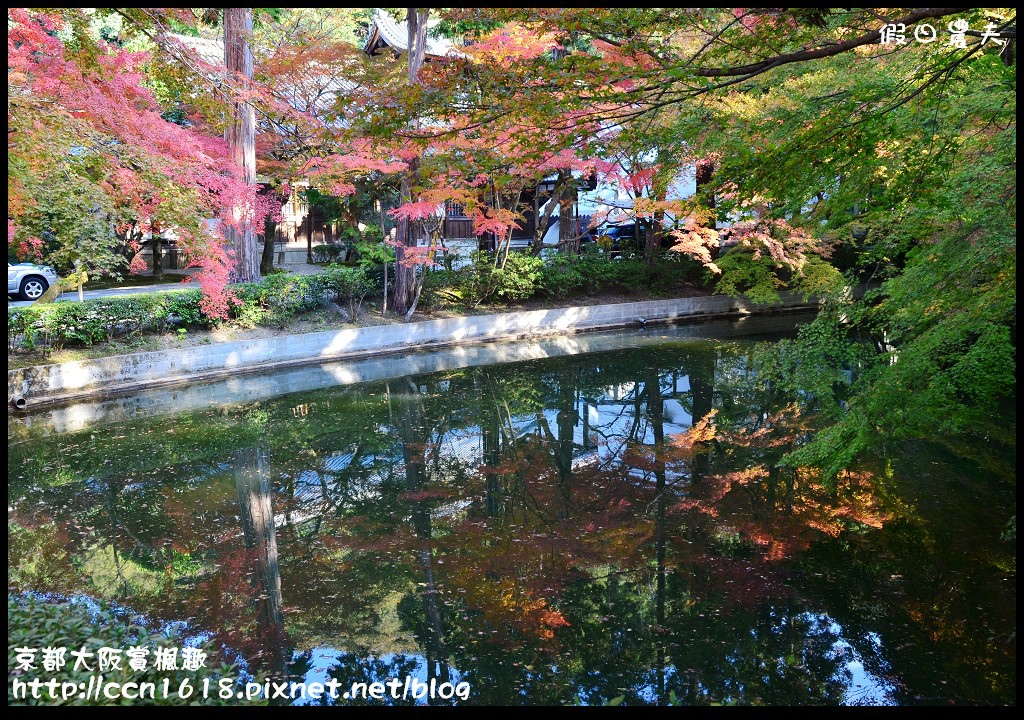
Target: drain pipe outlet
18 401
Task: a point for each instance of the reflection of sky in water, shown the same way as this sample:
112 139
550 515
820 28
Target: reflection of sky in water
322 660
862 687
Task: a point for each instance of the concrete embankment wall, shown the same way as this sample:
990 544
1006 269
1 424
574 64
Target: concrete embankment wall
46 384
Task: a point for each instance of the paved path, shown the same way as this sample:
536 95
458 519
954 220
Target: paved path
72 296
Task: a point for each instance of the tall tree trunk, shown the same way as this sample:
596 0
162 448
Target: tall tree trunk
566 221
405 273
702 384
384 234
491 456
269 233
542 220
308 221
158 251
240 135
656 226
656 414
653 238
415 432
566 420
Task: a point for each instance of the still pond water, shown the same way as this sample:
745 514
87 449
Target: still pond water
579 529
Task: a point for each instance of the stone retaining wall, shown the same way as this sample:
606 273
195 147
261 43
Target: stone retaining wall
66 381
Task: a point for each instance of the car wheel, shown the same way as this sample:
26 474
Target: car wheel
33 287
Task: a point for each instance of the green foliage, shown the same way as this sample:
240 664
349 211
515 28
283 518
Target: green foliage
183 308
371 234
600 274
591 273
481 279
817 278
350 210
1009 533
760 278
517 278
70 235
277 299
94 321
327 253
745 274
463 28
348 284
943 238
373 252
36 623
938 356
562 276
332 207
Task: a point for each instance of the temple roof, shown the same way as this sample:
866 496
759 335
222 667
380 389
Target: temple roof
210 50
386 32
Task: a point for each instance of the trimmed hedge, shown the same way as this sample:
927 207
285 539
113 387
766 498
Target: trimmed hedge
277 299
94 321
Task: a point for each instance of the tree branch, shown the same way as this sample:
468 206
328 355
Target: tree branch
827 51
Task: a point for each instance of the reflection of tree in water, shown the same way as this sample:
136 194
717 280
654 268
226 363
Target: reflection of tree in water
414 432
657 578
622 518
256 514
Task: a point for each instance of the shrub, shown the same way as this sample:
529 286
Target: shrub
327 253
348 284
566 275
561 276
36 623
277 299
442 286
252 309
183 309
93 321
742 273
480 280
519 278
372 234
760 278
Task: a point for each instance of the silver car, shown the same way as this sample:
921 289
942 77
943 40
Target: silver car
28 280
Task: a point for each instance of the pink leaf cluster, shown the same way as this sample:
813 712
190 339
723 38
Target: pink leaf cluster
146 162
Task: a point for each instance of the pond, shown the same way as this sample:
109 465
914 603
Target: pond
597 527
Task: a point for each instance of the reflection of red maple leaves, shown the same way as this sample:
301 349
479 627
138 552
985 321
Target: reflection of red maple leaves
778 512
